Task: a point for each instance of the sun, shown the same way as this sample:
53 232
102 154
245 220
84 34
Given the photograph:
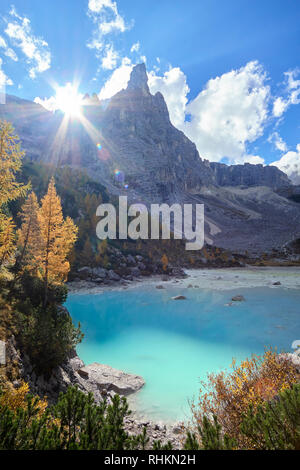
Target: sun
68 100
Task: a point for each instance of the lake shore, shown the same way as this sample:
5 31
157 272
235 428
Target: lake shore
216 279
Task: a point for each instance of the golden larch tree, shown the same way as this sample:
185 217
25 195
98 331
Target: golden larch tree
10 163
57 239
7 238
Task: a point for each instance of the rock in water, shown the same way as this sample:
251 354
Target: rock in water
179 297
238 298
107 378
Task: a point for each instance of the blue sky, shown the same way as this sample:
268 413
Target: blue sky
229 69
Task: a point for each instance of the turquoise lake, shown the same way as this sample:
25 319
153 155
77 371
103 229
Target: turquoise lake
174 344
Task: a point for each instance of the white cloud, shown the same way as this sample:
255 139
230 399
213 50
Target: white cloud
135 47
230 112
277 140
292 91
109 60
4 80
7 50
174 88
107 18
35 49
117 81
290 164
96 6
279 106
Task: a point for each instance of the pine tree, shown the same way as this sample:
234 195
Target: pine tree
101 256
165 262
275 424
29 235
87 255
57 239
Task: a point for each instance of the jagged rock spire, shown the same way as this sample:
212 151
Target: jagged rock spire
138 78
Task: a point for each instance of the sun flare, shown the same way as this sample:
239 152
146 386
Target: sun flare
68 100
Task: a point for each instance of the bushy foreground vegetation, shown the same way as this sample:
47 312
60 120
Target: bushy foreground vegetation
257 406
77 423
240 409
34 264
74 423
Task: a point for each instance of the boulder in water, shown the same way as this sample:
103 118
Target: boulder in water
238 298
107 378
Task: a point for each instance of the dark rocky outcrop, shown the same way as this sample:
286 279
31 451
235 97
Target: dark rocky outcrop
249 175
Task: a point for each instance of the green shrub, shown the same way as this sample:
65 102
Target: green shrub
74 423
273 425
276 424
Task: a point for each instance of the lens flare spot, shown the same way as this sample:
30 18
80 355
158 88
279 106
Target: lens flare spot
119 176
99 146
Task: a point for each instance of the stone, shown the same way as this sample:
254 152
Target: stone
159 287
75 362
177 429
178 272
113 276
179 297
85 272
277 283
105 377
238 298
141 266
165 278
83 373
135 272
100 272
131 260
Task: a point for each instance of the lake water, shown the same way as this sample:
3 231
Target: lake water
174 344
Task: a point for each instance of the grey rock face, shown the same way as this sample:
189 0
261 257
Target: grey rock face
249 175
107 378
139 79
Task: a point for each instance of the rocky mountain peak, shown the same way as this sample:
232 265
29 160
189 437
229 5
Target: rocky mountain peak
138 78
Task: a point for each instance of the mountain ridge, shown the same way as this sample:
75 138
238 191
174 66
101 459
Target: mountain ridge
132 135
